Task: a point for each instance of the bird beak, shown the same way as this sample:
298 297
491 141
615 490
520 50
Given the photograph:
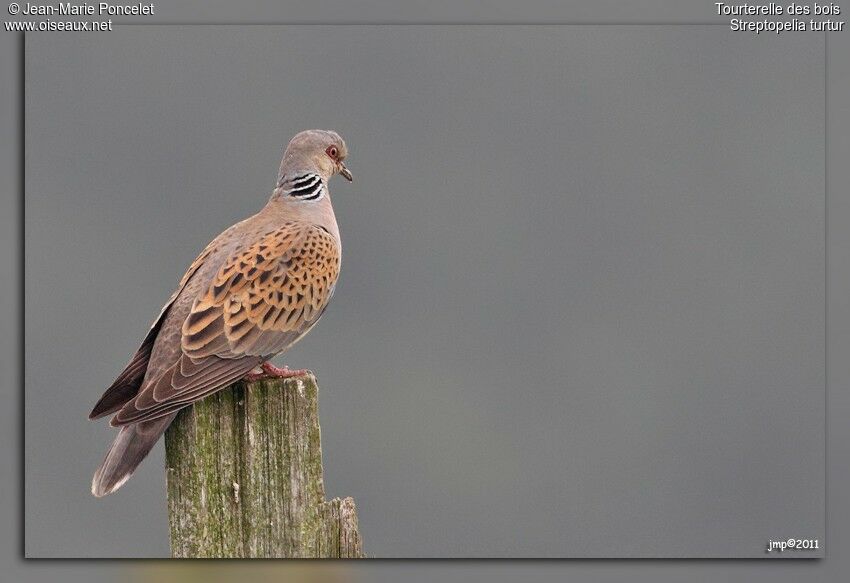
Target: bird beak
346 173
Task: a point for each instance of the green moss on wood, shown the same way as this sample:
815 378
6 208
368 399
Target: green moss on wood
244 477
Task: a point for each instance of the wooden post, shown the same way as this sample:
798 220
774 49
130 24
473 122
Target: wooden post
244 473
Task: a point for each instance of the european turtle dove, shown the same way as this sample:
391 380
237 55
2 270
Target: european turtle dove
253 292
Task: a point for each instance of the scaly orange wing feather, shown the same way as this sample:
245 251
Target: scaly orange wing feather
261 301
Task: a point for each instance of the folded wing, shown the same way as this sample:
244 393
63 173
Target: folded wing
262 300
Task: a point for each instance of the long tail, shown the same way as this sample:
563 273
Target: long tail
130 447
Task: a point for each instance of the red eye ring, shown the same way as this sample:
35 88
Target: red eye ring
333 152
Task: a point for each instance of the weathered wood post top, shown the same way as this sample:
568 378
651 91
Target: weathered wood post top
244 475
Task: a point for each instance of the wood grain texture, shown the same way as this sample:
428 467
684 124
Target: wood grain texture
244 475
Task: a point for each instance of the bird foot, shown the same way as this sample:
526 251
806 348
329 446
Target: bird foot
269 371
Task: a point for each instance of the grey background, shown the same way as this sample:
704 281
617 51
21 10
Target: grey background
581 309
833 568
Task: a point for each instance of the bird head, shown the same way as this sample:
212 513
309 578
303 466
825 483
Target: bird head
320 151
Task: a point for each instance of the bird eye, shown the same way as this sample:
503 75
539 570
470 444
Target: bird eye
333 152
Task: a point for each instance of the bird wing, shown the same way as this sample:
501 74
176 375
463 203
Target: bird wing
261 301
129 381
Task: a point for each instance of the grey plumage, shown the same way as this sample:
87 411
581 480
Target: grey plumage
133 444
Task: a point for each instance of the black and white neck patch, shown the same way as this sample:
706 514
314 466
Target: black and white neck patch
308 186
